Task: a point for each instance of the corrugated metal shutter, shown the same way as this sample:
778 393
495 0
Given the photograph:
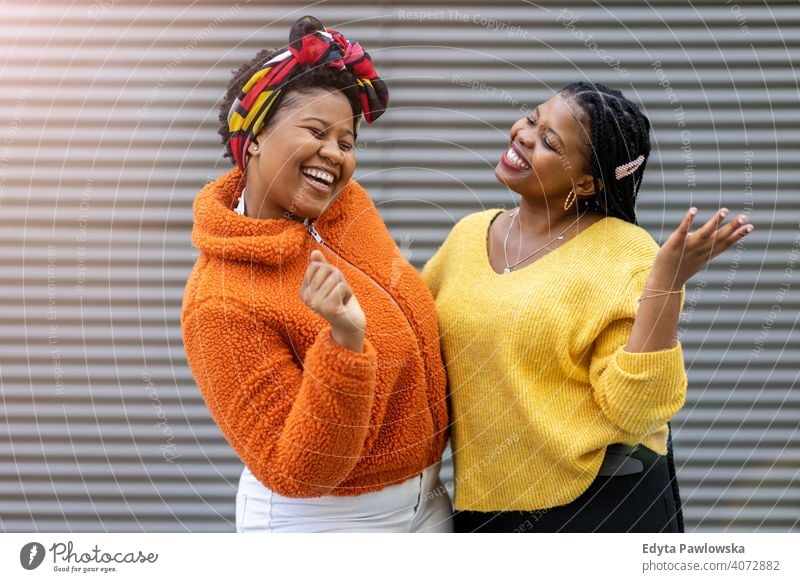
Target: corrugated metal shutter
110 129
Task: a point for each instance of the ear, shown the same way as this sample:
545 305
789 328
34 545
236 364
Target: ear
257 144
584 185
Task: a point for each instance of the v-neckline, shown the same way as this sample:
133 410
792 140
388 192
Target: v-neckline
487 259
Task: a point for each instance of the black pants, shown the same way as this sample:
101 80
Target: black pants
645 502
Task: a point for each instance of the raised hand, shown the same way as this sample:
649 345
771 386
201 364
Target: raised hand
685 252
681 256
325 290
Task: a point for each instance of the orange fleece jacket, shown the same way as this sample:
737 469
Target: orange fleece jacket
307 416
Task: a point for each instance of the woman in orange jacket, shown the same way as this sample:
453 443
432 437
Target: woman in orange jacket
314 343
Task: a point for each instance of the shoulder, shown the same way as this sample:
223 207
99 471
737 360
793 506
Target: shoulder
622 243
472 226
476 222
352 202
355 191
481 217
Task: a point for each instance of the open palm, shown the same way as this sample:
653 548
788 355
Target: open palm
685 253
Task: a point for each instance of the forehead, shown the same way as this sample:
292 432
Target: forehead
565 118
329 106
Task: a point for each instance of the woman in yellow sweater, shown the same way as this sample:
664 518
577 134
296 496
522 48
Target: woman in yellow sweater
559 329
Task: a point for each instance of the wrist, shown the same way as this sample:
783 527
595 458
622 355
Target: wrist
350 339
659 282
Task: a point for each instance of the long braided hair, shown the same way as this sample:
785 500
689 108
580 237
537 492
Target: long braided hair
619 133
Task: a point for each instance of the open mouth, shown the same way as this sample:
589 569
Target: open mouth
319 178
512 160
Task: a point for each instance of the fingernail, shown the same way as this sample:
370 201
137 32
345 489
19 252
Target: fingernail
723 213
742 219
749 228
693 211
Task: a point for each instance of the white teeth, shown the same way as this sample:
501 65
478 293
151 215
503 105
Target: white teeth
516 160
320 175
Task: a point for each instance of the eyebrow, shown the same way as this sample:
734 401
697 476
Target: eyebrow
326 124
550 129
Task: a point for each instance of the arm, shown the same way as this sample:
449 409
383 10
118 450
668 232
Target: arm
683 255
637 391
300 430
643 384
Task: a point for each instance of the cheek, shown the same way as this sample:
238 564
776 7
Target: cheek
574 164
294 146
348 167
544 157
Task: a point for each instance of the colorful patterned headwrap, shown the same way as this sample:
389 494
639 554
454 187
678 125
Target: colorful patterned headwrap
310 44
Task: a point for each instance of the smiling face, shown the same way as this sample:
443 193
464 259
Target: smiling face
301 161
547 154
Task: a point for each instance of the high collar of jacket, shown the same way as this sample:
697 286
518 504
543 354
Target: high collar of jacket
221 231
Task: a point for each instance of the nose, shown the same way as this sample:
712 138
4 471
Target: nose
525 137
331 151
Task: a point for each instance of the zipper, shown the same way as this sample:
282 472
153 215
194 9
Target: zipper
316 236
319 240
312 231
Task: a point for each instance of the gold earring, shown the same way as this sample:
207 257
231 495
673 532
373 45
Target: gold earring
570 200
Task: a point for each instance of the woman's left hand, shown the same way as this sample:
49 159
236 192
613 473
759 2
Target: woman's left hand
685 253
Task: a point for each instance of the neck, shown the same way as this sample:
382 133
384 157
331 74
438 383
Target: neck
546 218
254 207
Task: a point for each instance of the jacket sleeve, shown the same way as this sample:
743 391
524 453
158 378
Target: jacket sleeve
299 429
638 392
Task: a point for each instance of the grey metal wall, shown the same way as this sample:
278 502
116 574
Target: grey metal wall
109 130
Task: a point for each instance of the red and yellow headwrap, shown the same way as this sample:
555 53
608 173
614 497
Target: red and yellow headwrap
310 44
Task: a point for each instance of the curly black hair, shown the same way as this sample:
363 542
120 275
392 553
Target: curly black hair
302 79
619 132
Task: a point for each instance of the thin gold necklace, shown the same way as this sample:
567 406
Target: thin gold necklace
560 236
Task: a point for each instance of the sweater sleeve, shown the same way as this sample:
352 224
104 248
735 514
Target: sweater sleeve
638 392
299 429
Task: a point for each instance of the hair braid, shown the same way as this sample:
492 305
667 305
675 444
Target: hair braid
619 133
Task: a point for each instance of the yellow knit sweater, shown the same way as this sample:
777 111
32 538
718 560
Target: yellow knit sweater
539 379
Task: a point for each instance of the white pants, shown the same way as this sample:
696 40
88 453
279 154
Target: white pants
420 504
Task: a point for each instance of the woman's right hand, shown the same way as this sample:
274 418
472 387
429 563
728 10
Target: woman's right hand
325 290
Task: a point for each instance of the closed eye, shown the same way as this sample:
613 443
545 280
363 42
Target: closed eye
532 122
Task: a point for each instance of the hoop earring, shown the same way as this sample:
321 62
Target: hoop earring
570 200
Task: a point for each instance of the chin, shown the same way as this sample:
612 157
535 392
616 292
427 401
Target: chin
498 173
312 204
310 211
